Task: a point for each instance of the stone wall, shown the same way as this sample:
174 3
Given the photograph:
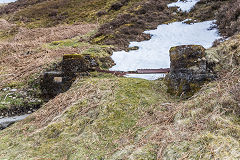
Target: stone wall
72 65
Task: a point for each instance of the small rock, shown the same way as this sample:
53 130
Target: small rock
132 48
101 13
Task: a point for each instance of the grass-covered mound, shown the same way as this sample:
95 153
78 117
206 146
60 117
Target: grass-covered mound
26 53
99 117
106 117
209 123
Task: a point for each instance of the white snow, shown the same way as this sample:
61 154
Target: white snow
146 76
154 53
184 6
7 1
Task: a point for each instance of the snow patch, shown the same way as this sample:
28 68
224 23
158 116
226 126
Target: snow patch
154 53
185 5
146 76
7 1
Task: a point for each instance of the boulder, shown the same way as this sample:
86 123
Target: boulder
188 70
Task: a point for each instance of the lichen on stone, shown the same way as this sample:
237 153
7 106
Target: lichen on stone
188 70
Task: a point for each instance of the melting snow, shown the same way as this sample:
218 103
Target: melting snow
146 76
7 1
184 6
154 53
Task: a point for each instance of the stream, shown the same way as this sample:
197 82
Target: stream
7 121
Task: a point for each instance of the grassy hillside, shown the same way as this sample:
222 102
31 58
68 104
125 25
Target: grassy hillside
228 18
132 119
48 13
107 117
98 121
121 21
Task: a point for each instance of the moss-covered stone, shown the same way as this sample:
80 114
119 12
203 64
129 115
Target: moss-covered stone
75 63
73 56
184 57
188 70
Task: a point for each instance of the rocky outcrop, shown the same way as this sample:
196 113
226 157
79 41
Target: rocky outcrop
188 71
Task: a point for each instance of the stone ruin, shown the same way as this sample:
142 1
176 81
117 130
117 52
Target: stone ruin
72 65
189 70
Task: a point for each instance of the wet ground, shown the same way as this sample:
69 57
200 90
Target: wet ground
7 121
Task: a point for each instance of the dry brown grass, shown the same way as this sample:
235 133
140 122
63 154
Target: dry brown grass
173 123
228 19
56 106
23 55
4 25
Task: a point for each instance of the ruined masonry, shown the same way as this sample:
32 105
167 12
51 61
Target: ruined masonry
188 70
72 65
